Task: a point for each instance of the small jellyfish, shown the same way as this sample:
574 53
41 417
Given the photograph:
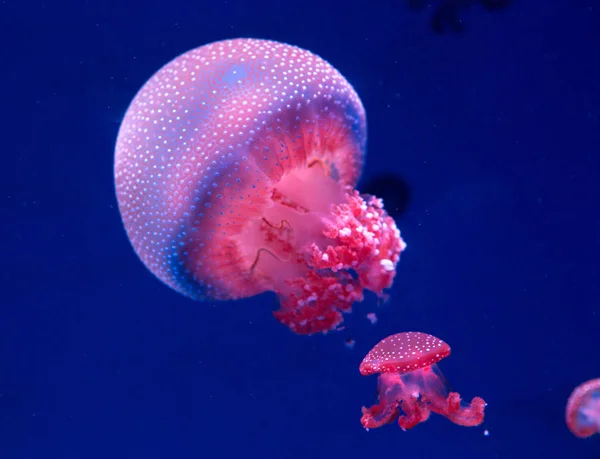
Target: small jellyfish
583 409
410 384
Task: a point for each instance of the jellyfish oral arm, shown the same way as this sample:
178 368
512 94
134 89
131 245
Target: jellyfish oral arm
318 245
468 415
398 398
413 396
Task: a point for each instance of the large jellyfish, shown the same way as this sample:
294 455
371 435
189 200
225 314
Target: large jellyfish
410 384
235 169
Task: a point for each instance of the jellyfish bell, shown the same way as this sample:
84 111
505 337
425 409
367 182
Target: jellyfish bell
235 169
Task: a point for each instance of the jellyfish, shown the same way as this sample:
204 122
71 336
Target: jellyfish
235 173
583 409
410 384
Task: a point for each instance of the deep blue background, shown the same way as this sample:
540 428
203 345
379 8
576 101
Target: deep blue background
496 130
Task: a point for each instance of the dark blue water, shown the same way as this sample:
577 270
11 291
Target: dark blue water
496 131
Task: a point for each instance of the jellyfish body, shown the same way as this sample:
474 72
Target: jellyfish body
411 386
583 409
235 168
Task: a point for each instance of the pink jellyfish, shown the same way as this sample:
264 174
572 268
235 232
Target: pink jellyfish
410 384
235 168
583 409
